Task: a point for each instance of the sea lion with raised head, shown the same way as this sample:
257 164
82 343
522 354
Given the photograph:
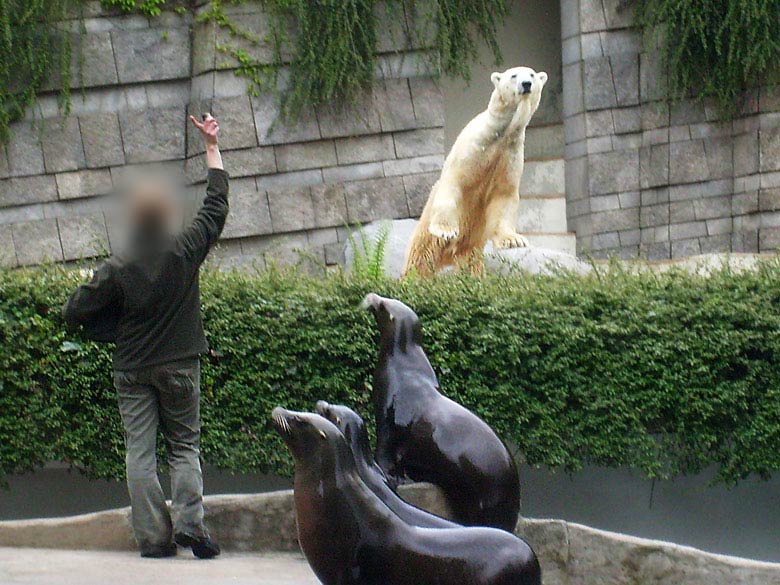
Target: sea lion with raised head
354 430
350 537
425 436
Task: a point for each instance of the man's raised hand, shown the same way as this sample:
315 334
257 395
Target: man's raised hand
209 127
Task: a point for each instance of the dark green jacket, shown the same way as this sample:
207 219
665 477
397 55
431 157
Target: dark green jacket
149 302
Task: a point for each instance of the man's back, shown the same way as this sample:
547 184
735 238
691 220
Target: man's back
150 295
160 319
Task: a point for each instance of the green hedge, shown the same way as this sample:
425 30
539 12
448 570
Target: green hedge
666 373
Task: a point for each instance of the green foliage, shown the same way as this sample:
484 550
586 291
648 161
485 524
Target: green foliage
667 373
334 57
460 25
32 50
369 255
148 7
715 48
333 45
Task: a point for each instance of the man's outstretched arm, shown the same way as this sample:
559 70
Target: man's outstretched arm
198 239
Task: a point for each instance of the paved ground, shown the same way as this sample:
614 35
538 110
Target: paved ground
24 566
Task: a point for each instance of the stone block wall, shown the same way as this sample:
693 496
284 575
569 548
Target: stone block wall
295 186
649 179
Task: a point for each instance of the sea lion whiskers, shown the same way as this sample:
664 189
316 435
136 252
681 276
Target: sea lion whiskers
280 421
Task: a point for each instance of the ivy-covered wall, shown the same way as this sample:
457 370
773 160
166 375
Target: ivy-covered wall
650 178
296 184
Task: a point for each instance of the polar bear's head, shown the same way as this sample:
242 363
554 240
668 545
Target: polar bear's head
517 84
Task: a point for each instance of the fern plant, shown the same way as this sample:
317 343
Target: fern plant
369 253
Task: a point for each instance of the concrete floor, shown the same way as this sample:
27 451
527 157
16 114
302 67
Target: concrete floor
24 566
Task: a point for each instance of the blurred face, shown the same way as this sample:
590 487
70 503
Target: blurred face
151 205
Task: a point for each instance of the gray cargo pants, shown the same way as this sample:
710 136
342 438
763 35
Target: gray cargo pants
166 396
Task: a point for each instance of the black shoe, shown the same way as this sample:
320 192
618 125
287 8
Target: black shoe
202 546
159 552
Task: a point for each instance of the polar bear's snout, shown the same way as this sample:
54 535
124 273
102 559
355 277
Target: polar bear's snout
526 87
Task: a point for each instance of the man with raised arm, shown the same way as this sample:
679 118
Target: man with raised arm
147 300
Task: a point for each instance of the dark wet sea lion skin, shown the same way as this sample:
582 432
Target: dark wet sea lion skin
353 428
349 537
425 436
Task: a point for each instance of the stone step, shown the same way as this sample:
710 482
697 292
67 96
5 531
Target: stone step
543 177
542 214
561 241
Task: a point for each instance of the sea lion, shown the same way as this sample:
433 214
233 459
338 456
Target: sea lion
354 430
425 436
349 537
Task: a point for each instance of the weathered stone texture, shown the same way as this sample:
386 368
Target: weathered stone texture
359 172
362 149
291 209
62 147
83 236
7 249
355 119
151 55
295 182
249 211
306 155
236 122
393 103
153 135
694 179
84 183
427 102
271 129
102 140
25 153
377 199
37 242
329 205
98 66
249 162
26 190
419 142
418 188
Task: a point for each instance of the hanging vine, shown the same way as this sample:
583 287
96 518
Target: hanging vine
333 58
34 46
715 48
712 48
334 42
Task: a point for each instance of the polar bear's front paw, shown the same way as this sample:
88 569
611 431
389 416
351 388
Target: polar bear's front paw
443 230
513 240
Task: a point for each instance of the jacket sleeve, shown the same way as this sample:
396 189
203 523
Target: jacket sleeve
97 301
207 226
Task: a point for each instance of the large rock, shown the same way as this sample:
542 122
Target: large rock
399 232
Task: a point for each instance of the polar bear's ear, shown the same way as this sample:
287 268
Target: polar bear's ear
495 78
542 77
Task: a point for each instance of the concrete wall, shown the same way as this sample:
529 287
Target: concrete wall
295 186
570 554
646 179
741 520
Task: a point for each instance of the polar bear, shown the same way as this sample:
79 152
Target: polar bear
477 195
